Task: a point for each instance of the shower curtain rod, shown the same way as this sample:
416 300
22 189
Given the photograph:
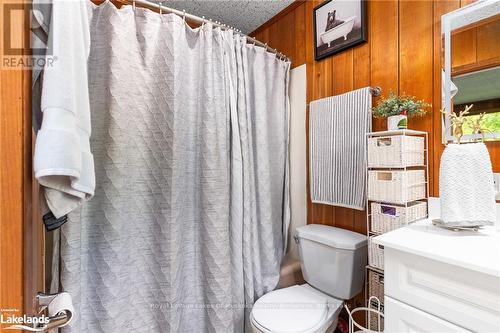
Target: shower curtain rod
158 7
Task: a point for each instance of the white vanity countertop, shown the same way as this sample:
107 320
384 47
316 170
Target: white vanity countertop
479 251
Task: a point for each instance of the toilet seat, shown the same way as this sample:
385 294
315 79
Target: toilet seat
297 309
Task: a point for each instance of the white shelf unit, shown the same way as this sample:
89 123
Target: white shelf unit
379 271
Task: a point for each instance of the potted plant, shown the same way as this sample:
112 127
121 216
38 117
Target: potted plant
398 108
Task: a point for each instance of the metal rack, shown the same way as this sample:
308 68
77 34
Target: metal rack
368 202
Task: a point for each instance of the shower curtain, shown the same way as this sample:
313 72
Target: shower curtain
190 142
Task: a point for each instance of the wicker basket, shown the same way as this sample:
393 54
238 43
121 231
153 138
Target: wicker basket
376 285
375 254
373 325
397 187
386 218
397 151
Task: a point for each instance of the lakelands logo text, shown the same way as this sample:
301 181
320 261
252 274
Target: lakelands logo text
23 322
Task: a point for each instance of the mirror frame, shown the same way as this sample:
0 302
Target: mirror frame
456 19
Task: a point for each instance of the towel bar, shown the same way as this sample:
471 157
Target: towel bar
375 91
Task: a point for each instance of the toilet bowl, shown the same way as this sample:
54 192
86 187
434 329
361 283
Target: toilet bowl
297 309
332 261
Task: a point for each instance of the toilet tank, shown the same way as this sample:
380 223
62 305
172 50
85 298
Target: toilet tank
332 259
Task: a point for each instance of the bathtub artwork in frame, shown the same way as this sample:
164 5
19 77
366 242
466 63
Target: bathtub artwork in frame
338 26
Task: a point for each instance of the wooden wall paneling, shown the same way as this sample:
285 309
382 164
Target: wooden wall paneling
384 48
322 86
34 232
476 66
440 8
275 34
463 48
11 196
282 35
361 66
361 60
322 80
476 47
262 35
416 62
403 54
299 54
21 231
488 41
342 75
309 60
308 43
276 18
362 78
11 176
494 149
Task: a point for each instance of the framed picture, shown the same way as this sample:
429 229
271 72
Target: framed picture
338 26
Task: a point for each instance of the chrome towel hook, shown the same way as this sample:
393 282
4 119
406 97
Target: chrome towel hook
133 5
184 15
159 7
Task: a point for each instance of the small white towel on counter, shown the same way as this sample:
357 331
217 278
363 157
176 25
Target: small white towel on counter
466 186
63 162
337 132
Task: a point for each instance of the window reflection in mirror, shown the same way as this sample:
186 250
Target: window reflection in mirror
482 89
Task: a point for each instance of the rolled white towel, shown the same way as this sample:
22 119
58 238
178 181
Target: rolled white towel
466 186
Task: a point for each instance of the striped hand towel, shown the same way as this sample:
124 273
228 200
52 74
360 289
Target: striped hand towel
337 128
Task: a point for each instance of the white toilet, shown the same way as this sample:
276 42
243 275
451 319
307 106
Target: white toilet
332 262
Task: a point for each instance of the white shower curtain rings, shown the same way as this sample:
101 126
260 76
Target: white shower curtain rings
204 20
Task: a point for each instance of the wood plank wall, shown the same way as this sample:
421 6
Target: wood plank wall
12 83
476 48
21 228
403 54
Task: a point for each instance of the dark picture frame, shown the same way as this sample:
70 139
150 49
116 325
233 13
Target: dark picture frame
338 26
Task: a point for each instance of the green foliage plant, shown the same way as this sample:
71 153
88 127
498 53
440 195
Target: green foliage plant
395 105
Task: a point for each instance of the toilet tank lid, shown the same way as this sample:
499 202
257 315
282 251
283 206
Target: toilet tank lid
332 236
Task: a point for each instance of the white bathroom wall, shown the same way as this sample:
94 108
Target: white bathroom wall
298 158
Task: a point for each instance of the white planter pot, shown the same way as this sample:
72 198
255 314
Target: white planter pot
397 122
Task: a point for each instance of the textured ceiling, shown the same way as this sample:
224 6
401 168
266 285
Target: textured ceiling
478 86
245 15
